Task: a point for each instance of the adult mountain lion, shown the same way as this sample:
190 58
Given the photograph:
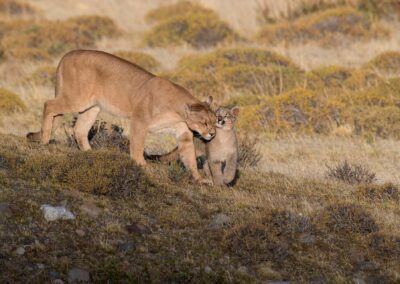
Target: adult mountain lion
88 81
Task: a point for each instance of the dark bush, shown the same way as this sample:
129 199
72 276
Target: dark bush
351 173
249 153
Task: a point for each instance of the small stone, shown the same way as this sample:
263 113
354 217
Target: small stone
53 213
207 269
90 209
57 281
242 269
40 266
80 232
358 281
5 209
54 274
142 249
307 238
127 247
20 251
137 228
219 221
77 275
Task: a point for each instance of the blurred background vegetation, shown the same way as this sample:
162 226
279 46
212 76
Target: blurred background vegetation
329 67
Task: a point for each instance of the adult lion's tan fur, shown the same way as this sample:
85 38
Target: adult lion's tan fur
89 81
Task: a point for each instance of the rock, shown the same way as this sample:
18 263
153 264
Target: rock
219 221
54 274
358 281
20 251
80 232
138 228
57 281
40 266
5 209
53 213
242 269
90 209
207 269
77 275
127 247
307 238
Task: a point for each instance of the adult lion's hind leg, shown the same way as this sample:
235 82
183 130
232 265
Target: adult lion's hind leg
85 121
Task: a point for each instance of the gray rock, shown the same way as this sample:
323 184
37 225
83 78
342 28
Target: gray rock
90 209
242 269
80 232
57 281
207 269
40 265
20 251
53 213
219 221
127 247
54 274
77 275
5 209
358 281
307 238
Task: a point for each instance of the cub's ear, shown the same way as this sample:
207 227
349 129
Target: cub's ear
209 100
235 111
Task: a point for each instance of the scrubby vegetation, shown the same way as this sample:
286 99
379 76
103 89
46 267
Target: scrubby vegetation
351 173
139 231
326 27
387 63
10 102
38 40
142 59
15 8
195 26
239 70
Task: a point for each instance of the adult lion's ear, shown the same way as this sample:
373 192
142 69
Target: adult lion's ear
209 100
235 111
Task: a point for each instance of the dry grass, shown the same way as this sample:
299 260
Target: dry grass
263 235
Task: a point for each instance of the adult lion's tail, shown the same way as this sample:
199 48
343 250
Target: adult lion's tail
169 157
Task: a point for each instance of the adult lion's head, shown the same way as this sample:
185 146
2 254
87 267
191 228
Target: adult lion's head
201 119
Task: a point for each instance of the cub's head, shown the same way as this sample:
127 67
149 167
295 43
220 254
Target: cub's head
226 117
201 119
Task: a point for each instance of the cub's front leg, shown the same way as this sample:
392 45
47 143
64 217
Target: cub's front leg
216 172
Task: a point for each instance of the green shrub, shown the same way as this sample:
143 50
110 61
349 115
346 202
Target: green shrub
44 75
299 110
56 37
328 77
10 102
181 8
98 172
245 70
326 27
15 8
387 63
139 58
196 29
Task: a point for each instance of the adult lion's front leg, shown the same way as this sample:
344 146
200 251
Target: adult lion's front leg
187 155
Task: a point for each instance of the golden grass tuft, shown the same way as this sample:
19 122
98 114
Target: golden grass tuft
10 102
387 63
15 8
238 70
140 58
55 37
326 27
24 54
199 30
163 13
328 77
